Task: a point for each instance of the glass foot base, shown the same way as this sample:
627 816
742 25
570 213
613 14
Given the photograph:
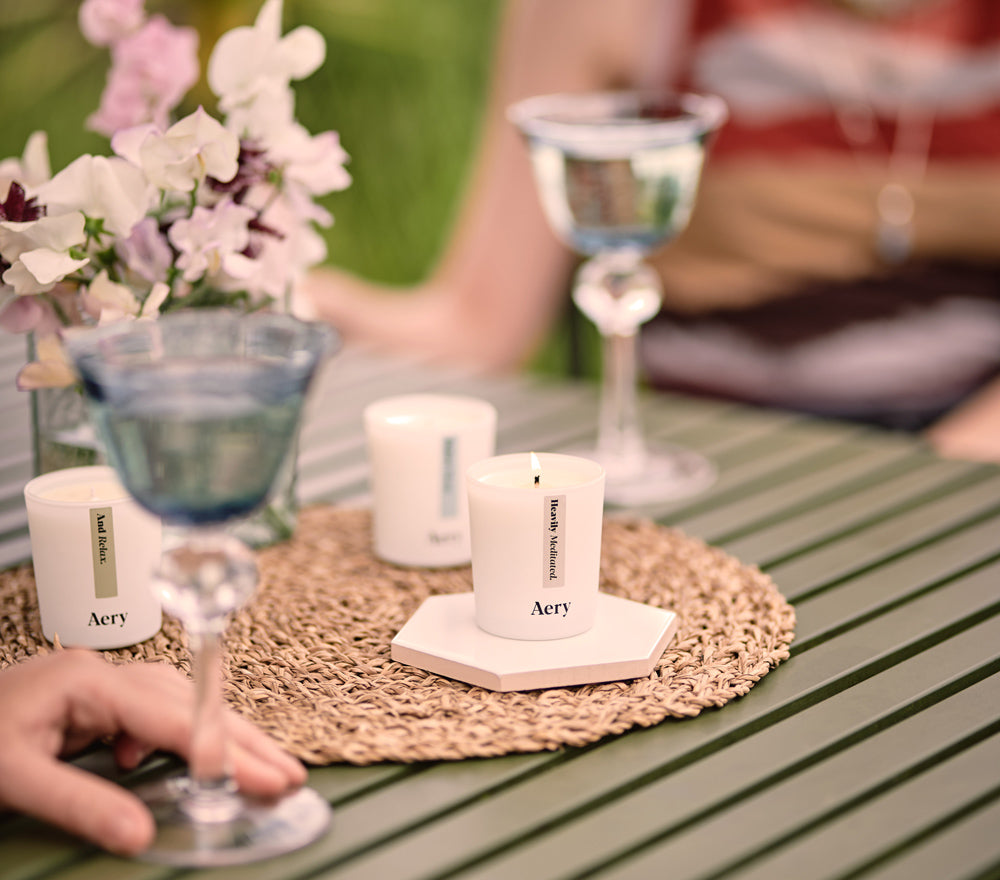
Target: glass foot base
258 830
664 473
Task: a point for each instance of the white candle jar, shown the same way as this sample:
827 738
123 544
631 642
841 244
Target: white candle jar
536 545
94 550
419 446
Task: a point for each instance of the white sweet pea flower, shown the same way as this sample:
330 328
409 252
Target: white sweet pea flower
154 299
316 163
127 142
110 299
248 60
196 147
283 260
116 302
265 117
101 187
32 169
181 212
51 370
38 251
210 241
303 206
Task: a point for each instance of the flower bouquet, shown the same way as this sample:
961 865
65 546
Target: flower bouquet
183 213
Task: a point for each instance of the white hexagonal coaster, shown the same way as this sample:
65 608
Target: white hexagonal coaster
625 642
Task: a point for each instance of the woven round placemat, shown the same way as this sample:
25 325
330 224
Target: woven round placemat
308 658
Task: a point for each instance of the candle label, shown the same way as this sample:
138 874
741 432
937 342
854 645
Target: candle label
553 547
449 479
102 545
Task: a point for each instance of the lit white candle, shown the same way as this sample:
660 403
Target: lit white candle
94 550
419 446
536 543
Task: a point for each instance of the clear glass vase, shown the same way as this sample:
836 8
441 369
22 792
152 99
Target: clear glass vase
61 433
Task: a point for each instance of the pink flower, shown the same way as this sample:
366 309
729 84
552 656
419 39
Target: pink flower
123 104
212 241
24 314
104 22
146 251
151 71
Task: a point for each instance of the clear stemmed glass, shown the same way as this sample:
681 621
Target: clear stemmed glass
197 411
617 174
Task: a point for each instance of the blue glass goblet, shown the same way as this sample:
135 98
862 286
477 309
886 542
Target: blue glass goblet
197 411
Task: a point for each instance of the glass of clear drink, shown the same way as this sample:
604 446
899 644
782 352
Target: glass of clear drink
197 411
617 174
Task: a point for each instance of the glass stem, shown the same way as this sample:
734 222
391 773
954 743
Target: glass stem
211 786
618 431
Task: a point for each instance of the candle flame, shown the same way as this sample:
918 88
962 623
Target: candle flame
536 469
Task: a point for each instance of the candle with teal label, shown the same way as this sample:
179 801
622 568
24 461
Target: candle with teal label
419 446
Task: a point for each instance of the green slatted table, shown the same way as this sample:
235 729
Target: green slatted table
874 752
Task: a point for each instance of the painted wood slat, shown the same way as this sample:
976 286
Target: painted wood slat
15 549
748 832
965 849
40 852
863 466
885 495
387 810
691 791
823 615
901 815
894 535
505 818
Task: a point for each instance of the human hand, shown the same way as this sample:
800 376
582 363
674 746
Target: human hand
972 430
54 705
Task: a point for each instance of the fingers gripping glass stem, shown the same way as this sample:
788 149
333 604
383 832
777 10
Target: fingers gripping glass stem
201 581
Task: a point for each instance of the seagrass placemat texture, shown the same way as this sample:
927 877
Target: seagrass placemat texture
308 658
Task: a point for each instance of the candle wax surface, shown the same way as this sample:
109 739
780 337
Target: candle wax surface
429 413
551 477
441 420
103 490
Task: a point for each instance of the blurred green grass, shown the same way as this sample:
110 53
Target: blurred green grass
404 84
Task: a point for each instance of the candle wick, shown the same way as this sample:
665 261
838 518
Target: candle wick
538 479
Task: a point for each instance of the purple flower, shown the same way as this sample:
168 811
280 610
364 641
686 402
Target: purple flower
17 208
146 251
253 168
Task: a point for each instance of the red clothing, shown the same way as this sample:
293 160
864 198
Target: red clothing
778 292
741 46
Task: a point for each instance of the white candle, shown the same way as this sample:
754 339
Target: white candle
536 545
98 491
94 550
419 446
